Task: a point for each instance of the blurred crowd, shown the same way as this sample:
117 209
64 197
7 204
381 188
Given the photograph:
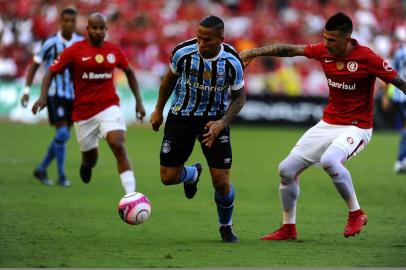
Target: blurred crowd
147 31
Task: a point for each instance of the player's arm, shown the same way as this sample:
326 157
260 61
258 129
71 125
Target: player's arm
132 82
165 90
215 127
28 82
399 83
42 100
280 50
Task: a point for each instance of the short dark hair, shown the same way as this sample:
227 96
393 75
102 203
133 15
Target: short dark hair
339 22
69 11
212 22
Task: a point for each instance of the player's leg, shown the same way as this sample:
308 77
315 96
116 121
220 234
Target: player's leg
400 164
348 143
61 138
89 160
289 170
177 145
219 159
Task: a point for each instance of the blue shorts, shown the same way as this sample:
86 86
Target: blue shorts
59 110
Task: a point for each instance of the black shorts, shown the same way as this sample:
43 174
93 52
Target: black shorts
59 109
180 135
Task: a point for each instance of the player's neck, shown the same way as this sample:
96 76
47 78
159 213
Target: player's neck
347 50
67 36
96 43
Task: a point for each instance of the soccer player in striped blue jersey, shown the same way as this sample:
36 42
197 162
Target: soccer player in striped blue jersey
397 97
202 70
60 97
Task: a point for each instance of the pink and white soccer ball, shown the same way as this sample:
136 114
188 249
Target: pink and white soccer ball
134 208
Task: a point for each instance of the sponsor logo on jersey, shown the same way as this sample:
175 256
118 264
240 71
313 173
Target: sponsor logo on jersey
352 66
86 58
96 76
328 60
111 58
205 87
99 58
340 65
343 85
387 66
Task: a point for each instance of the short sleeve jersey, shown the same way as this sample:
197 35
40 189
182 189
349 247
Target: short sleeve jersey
203 84
92 71
351 83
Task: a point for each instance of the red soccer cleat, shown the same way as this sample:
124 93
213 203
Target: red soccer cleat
286 232
356 222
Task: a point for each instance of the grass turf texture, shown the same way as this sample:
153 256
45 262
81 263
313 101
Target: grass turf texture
79 226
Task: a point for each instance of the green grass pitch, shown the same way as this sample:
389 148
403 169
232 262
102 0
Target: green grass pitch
79 226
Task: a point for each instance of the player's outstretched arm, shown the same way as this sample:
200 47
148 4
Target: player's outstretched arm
28 82
399 83
42 100
281 50
215 127
165 90
132 82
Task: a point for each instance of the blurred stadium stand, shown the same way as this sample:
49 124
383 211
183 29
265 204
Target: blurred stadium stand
148 30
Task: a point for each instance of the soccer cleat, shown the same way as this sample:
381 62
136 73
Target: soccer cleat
356 222
400 166
42 177
227 234
286 232
85 173
191 189
63 182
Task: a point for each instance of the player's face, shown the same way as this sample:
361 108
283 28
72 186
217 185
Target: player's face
97 29
68 23
209 41
336 42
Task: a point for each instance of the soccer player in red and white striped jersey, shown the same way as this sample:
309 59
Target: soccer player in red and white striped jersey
346 126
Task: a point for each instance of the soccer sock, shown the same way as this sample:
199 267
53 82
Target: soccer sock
188 175
128 181
48 157
402 146
225 206
331 161
62 136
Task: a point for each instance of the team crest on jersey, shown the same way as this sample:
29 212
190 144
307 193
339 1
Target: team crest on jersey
99 58
111 58
352 66
350 140
207 74
387 66
339 65
176 108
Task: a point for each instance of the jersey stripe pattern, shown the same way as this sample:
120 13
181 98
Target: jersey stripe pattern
399 63
52 47
203 84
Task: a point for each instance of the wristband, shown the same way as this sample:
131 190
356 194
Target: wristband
26 90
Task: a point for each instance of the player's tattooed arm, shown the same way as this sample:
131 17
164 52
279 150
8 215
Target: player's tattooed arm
399 83
280 50
235 106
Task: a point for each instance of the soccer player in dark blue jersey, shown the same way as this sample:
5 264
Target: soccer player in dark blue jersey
202 70
60 97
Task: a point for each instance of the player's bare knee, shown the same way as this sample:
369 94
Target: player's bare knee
169 176
222 188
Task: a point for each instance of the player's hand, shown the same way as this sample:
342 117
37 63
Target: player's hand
213 130
24 100
39 105
139 111
156 120
246 57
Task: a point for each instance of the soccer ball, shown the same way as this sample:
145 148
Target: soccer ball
134 208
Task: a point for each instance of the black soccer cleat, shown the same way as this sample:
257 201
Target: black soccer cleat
85 173
42 177
227 234
191 189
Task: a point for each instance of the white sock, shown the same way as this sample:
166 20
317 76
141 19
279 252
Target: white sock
290 216
128 181
352 203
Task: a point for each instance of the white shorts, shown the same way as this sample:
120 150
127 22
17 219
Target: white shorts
317 139
89 131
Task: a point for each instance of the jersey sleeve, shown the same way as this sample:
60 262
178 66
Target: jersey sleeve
176 55
122 60
63 61
313 50
237 74
381 68
46 47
